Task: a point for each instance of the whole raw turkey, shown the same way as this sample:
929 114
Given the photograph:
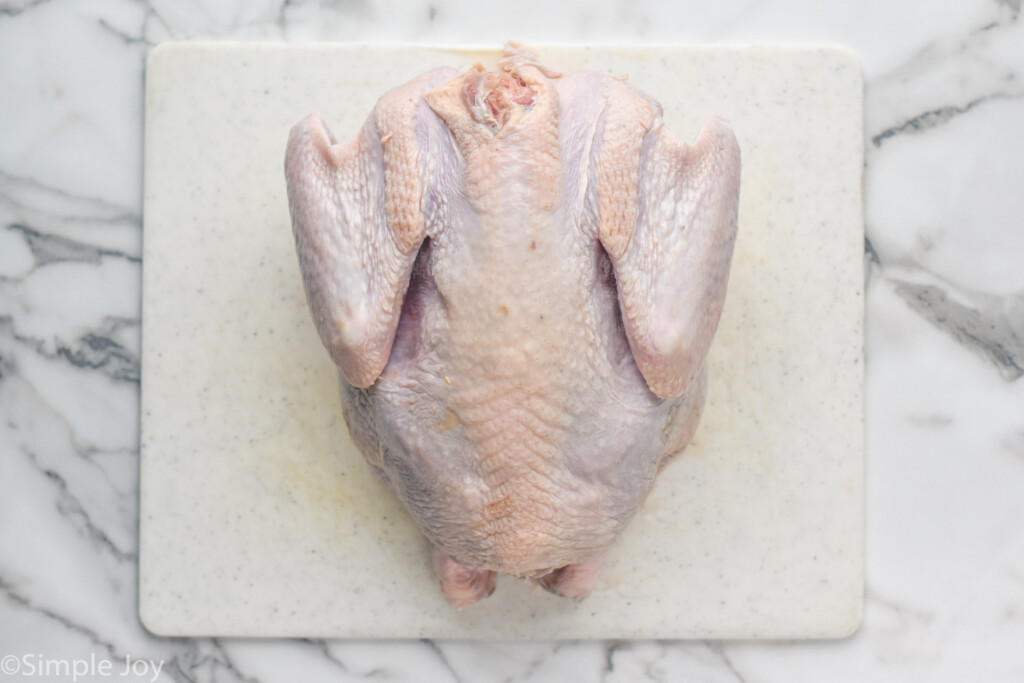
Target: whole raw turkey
519 274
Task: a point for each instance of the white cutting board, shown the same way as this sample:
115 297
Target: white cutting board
258 516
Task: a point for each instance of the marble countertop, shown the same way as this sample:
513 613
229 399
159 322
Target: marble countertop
945 339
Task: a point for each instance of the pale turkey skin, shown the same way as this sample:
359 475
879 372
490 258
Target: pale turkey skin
482 263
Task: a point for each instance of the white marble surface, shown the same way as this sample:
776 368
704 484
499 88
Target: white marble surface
260 517
945 324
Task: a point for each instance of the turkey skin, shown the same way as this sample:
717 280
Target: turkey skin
518 274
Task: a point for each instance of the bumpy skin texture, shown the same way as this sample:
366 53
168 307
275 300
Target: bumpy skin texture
518 274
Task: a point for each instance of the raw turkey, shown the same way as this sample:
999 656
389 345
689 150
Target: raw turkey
519 274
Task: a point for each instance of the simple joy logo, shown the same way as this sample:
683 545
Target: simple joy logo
37 665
